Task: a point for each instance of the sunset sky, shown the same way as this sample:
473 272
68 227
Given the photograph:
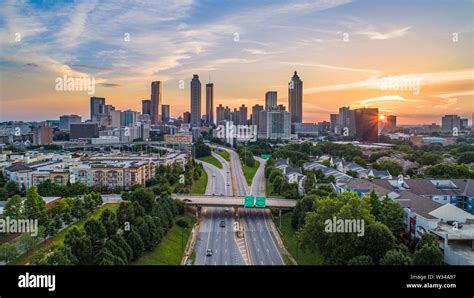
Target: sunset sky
343 51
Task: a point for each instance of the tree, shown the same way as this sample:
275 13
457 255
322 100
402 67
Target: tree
60 255
109 221
452 171
391 166
77 189
361 261
125 213
116 250
145 197
428 254
13 208
377 240
396 257
302 206
106 258
7 252
96 233
35 207
80 245
25 242
3 194
360 161
392 216
12 188
466 157
278 183
429 158
201 149
119 240
375 204
78 209
135 242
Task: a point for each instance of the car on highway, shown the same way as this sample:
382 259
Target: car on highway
208 252
226 210
222 224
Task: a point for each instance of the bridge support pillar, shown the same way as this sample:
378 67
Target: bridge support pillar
198 211
236 211
279 215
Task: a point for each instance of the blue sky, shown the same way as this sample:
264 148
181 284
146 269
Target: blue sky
172 40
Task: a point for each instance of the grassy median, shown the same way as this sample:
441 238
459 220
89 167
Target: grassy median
212 160
224 154
249 172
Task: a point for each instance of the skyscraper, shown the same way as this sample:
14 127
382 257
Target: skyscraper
155 104
146 107
195 101
96 103
270 100
243 116
295 99
255 111
391 124
449 122
165 113
186 117
334 123
366 124
210 103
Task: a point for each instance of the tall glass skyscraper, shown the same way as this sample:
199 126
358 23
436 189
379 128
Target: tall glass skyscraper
195 101
295 99
155 104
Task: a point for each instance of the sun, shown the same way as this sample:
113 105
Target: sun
381 117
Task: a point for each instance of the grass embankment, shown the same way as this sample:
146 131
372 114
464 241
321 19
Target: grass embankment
59 237
224 154
249 172
171 248
288 236
212 160
199 186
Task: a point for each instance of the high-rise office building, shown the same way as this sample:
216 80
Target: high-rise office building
210 103
96 103
391 123
66 120
270 100
129 117
334 123
346 121
155 104
255 112
195 101
165 113
243 116
449 122
274 125
281 107
366 124
295 99
464 123
146 107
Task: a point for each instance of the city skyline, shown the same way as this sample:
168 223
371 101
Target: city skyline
329 48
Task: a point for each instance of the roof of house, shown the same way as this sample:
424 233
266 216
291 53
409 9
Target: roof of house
432 187
290 170
281 162
19 166
380 173
451 212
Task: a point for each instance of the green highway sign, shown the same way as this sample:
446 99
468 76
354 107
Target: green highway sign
265 156
249 201
261 202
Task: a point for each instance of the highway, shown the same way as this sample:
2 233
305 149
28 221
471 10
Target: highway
256 222
220 239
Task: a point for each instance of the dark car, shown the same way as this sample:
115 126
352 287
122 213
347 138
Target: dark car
222 224
208 252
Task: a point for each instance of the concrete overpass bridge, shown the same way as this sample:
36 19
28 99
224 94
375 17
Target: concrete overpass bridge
232 201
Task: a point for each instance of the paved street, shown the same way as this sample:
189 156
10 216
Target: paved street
220 239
